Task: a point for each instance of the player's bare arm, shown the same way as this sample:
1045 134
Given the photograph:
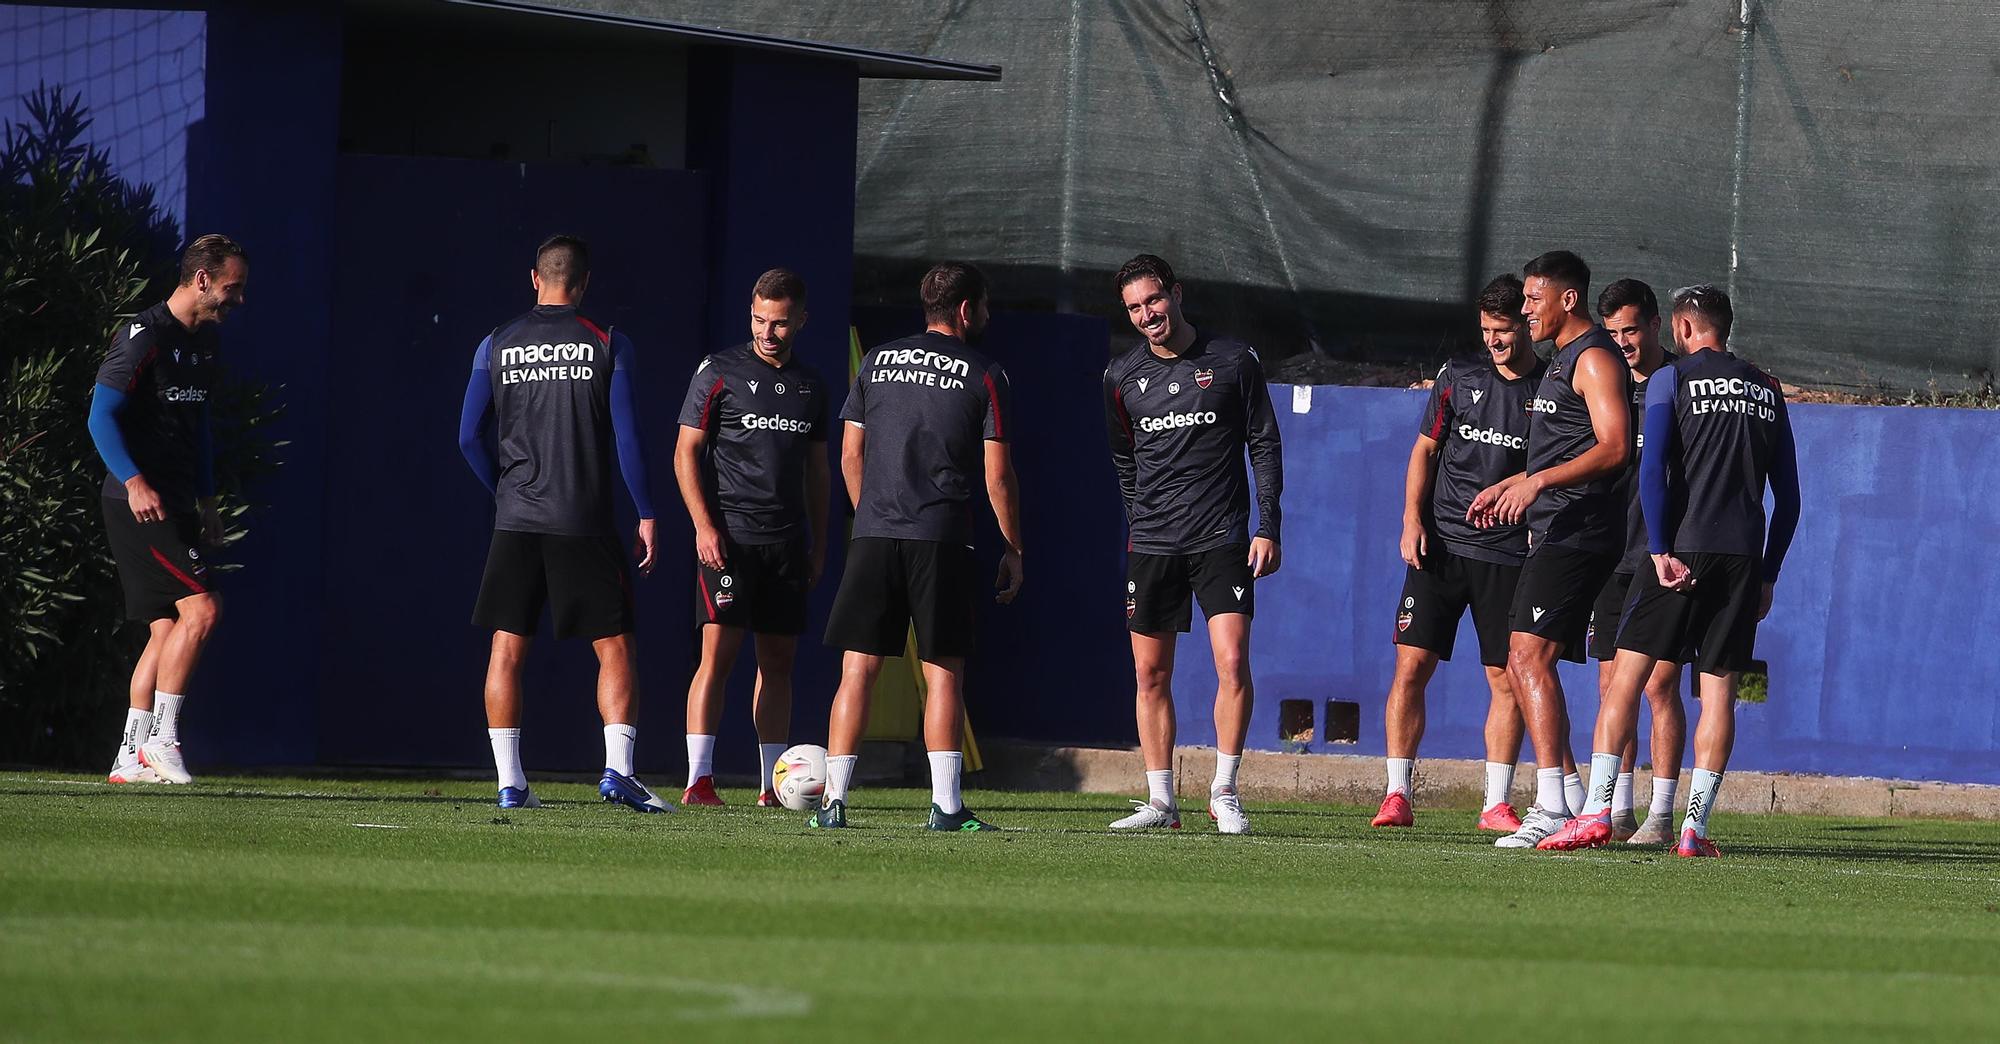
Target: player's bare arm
1417 486
688 452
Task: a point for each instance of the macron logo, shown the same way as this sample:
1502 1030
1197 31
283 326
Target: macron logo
1477 394
1143 381
1538 614
1239 593
136 330
753 387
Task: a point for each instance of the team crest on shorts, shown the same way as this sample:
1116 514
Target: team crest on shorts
1131 608
1403 620
724 600
1204 378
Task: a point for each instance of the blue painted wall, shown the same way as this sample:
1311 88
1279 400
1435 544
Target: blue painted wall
1882 644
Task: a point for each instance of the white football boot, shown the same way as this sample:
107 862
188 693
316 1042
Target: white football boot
1148 816
1227 810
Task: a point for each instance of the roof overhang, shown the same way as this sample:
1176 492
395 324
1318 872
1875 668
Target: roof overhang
872 64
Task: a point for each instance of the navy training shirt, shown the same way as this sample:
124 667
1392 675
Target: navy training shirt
1479 419
1588 517
166 373
1179 427
762 421
551 379
1635 557
1720 430
929 403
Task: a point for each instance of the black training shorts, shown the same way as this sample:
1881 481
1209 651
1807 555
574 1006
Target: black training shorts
761 587
1435 596
890 585
583 580
159 563
1713 625
1601 638
1558 586
1159 588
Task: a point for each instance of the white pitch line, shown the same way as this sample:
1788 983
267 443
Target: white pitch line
381 826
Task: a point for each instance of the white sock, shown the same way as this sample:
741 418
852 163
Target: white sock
767 756
1701 801
1573 793
1160 788
1499 781
1603 780
507 757
1225 771
167 716
701 756
138 726
1663 797
1549 791
944 780
1621 794
618 743
839 773
1400 771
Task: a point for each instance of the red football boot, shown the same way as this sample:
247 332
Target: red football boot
1501 818
1581 832
1693 846
1395 811
702 793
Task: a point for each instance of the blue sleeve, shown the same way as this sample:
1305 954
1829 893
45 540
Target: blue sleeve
1784 478
625 427
472 419
204 455
1661 437
105 402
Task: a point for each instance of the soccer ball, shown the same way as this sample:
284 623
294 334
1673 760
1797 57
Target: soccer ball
799 777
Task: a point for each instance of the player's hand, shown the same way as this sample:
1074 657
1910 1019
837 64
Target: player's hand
1764 599
644 549
1416 543
1264 557
211 522
708 545
144 500
1512 504
1008 583
816 563
1673 573
1480 513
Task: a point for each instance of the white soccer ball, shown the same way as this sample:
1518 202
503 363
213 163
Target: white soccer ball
799 777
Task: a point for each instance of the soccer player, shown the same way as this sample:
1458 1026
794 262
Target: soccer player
1631 314
1579 439
149 419
1474 434
1182 407
1719 432
926 415
557 389
751 464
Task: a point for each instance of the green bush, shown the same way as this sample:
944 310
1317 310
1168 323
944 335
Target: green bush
80 250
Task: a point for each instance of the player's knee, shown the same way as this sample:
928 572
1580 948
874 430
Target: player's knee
1154 683
1232 667
198 616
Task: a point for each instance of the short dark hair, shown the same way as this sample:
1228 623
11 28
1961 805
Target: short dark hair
1503 296
1708 301
208 253
949 284
563 260
780 284
1624 294
1146 266
1562 268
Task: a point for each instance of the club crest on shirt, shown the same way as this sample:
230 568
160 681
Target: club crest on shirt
1204 378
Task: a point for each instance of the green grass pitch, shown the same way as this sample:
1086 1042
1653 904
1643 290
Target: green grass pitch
303 910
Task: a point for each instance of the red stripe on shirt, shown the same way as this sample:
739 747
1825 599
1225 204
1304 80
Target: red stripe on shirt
1437 420
708 403
178 575
594 328
993 403
151 354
